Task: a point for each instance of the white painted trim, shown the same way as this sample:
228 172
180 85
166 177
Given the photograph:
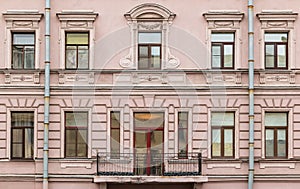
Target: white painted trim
62 129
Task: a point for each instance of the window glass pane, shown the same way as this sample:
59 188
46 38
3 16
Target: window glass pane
182 120
276 37
222 119
23 39
222 37
22 119
71 58
28 57
155 57
17 135
281 142
228 142
270 56
83 57
143 51
216 142
149 119
115 140
71 143
28 143
17 150
76 119
281 55
143 63
81 150
182 139
216 56
115 119
82 136
269 142
228 56
276 119
17 57
77 38
149 38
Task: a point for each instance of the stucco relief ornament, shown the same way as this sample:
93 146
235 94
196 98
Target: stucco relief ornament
126 62
172 61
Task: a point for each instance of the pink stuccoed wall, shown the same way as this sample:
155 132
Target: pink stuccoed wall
190 87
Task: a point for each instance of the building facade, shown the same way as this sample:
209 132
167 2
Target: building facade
149 93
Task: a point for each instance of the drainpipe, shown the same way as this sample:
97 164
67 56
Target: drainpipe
46 95
251 92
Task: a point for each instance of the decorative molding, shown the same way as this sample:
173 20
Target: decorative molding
76 164
149 17
150 79
22 78
224 78
223 19
280 165
66 78
22 19
235 165
77 20
277 19
277 78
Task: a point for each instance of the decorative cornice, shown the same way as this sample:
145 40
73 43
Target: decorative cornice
277 15
150 11
77 15
22 15
223 15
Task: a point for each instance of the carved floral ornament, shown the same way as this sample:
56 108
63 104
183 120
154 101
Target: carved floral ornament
149 17
224 19
28 19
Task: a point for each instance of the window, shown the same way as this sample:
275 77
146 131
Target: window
276 48
149 48
115 134
222 124
276 135
23 50
182 134
77 50
76 134
22 124
222 50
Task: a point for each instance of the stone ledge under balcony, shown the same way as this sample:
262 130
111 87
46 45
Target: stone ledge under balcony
150 179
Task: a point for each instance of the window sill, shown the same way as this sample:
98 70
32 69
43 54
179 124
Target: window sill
223 163
277 163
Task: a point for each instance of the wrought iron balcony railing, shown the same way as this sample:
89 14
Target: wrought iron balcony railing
126 164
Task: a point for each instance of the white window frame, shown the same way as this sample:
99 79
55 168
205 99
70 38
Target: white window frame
236 131
77 21
278 21
225 21
63 130
290 129
22 21
35 129
149 17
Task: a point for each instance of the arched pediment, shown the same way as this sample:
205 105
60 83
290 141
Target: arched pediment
150 11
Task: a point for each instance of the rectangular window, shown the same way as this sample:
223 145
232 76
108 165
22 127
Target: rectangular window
115 134
222 50
77 50
149 51
276 48
76 132
22 124
276 135
23 50
182 134
222 124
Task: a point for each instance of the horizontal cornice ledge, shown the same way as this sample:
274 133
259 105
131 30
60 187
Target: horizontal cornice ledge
66 15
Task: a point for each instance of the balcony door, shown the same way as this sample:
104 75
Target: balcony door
148 141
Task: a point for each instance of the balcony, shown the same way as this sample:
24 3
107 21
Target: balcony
147 164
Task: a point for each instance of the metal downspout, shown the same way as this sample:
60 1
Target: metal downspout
251 92
46 95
